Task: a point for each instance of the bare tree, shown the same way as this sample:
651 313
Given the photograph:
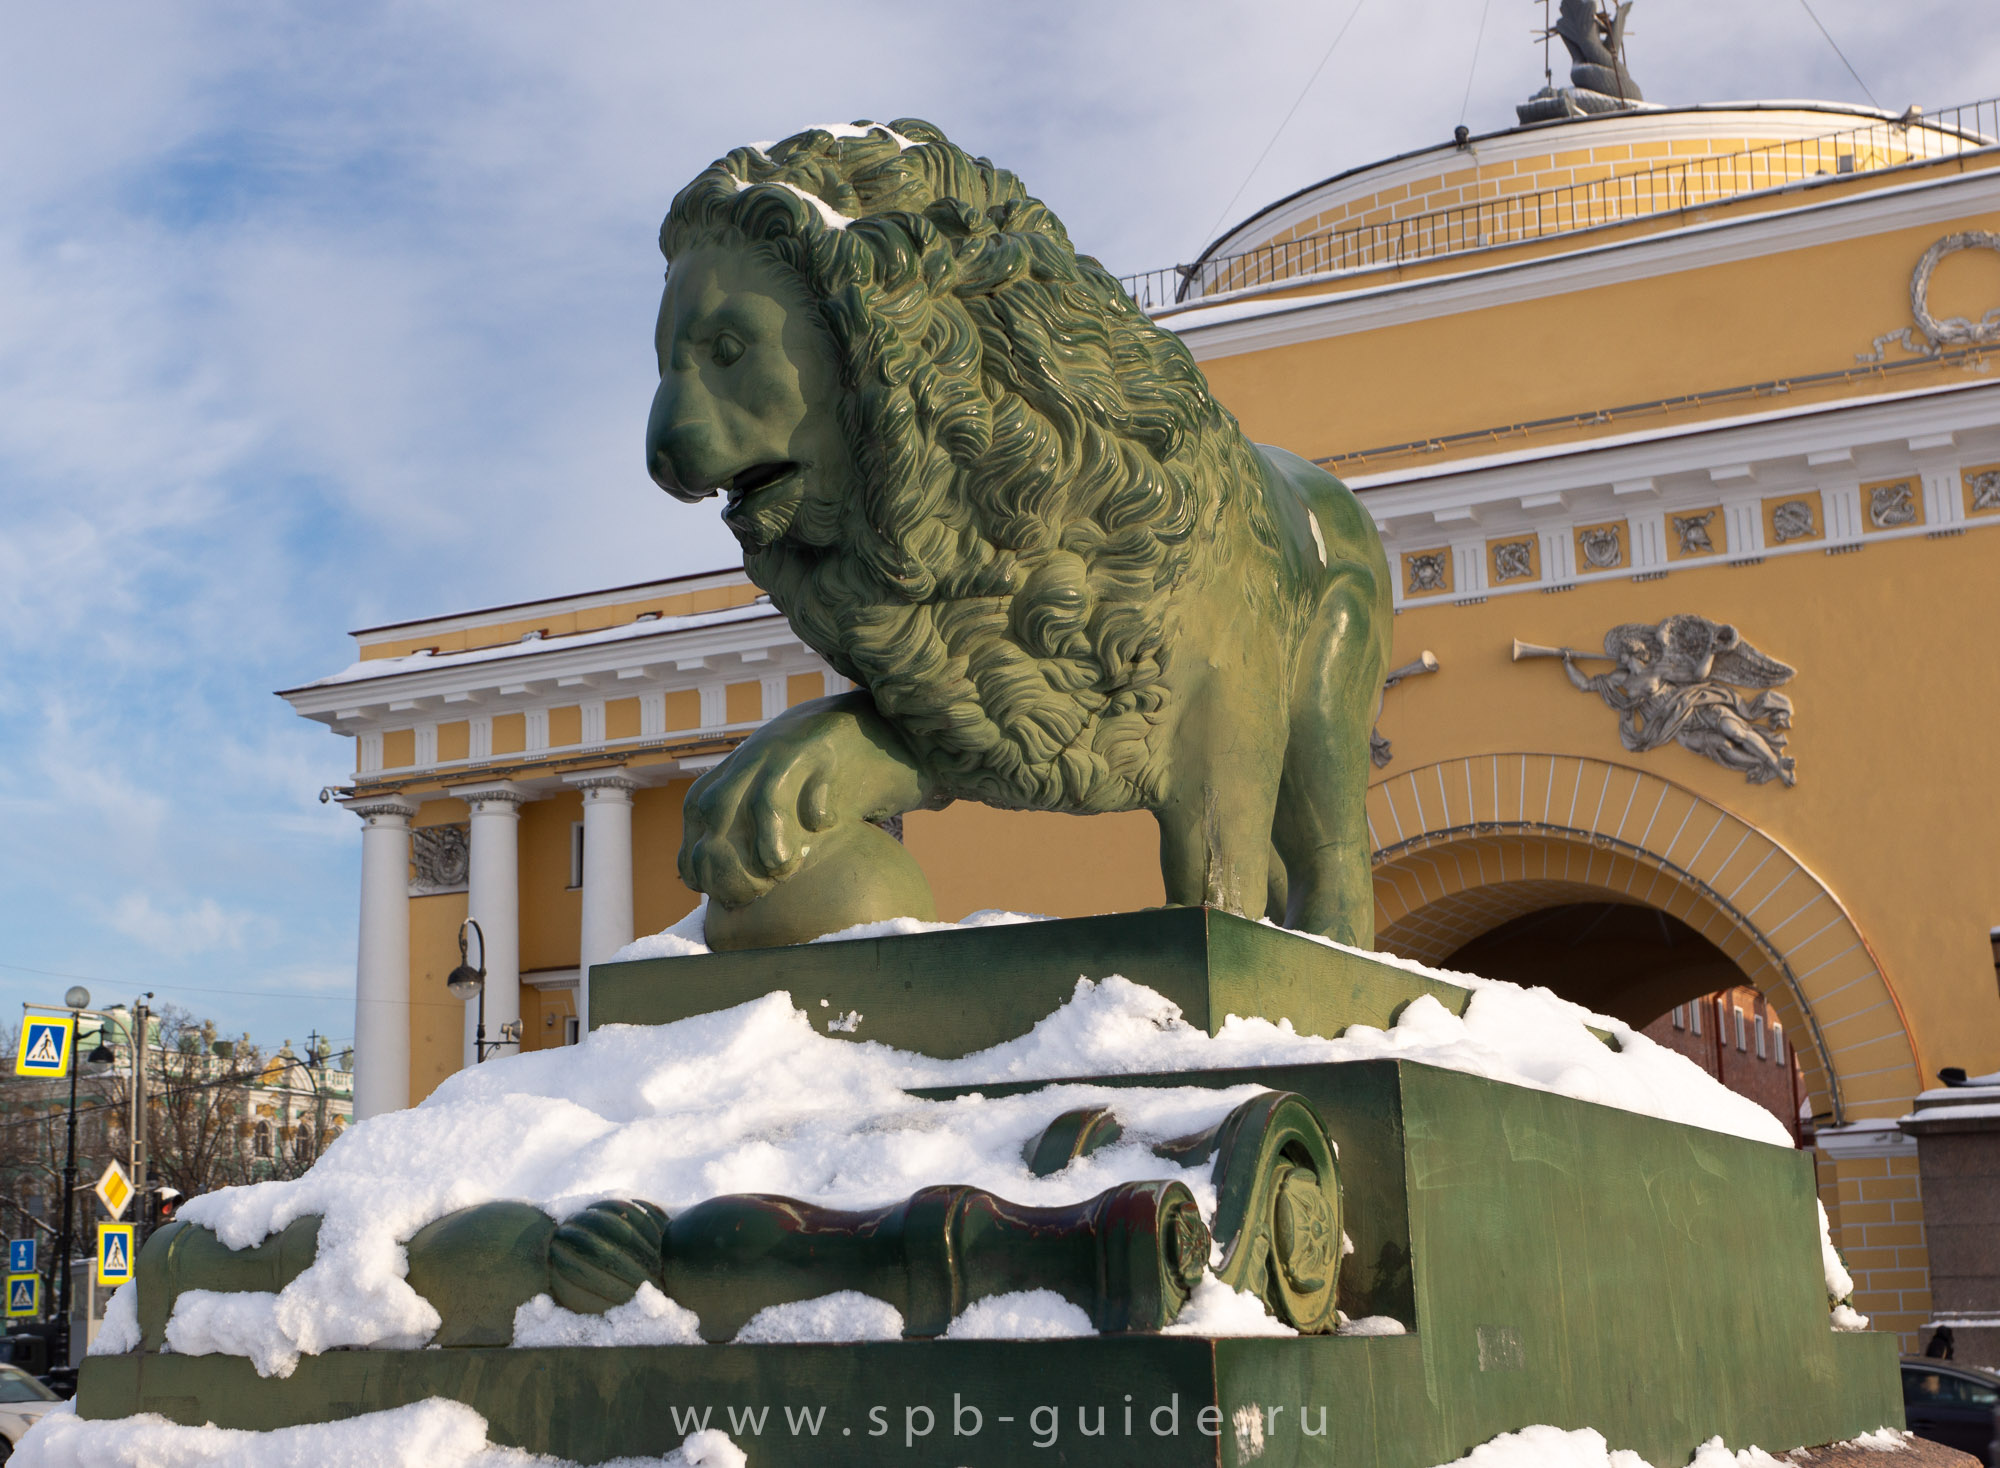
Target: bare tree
197 1104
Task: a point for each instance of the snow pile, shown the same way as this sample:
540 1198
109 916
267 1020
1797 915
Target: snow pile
649 1318
754 1100
1839 1283
1527 1037
118 1332
688 936
845 1315
1215 1309
1882 1440
240 1323
1023 1315
1551 1447
745 1100
1372 1325
430 1434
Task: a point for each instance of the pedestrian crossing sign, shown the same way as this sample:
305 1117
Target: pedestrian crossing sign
24 1296
114 1253
45 1046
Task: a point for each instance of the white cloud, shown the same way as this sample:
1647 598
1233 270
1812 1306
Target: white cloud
200 927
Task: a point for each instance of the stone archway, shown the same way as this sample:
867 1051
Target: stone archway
1465 845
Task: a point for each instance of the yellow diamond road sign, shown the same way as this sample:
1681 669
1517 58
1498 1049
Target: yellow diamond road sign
45 1045
114 1253
115 1189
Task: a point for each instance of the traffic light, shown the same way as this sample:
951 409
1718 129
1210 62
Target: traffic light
161 1203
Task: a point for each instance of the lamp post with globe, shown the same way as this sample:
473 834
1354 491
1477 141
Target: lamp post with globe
467 983
77 1001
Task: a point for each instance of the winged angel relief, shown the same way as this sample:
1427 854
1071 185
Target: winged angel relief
1683 681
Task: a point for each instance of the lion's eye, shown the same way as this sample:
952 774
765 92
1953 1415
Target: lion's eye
726 350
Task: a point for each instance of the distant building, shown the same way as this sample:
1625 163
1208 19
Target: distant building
1740 1040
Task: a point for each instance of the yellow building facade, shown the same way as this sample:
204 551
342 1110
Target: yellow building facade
1617 384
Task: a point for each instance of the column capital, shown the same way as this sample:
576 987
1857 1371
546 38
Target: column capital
373 808
604 784
490 792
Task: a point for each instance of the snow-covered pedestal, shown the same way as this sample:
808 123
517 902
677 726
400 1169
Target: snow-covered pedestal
1544 1219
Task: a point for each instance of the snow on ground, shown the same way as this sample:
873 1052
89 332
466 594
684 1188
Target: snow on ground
445 1434
754 1100
430 1434
1551 1447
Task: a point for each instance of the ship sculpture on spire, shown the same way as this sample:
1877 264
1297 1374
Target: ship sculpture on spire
1599 80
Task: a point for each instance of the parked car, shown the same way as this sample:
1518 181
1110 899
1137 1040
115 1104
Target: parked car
22 1400
1958 1406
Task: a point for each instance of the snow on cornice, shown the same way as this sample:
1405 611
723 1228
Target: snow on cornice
374 669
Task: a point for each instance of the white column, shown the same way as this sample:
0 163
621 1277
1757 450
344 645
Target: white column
493 900
382 958
607 873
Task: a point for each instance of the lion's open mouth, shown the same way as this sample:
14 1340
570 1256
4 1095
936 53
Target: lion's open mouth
742 485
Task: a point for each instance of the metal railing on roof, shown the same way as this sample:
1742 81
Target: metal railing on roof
1511 219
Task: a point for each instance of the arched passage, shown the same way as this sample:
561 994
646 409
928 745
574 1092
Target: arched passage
1465 845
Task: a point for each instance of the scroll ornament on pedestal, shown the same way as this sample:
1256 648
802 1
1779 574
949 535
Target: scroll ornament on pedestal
1681 681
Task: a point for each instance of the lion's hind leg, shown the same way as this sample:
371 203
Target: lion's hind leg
1320 828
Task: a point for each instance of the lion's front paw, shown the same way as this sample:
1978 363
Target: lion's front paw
750 822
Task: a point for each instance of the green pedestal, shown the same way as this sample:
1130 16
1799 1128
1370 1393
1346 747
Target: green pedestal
949 994
1552 1261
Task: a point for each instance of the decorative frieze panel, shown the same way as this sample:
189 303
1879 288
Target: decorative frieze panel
1517 558
1892 504
1427 573
1602 547
1699 532
1790 519
440 859
1982 490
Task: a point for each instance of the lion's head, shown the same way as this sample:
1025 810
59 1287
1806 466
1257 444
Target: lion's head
963 464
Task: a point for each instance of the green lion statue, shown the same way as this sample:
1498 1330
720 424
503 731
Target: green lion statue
989 491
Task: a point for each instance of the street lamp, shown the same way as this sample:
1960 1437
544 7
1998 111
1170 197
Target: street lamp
77 1000
466 983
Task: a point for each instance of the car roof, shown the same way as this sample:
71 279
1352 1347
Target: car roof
1959 1368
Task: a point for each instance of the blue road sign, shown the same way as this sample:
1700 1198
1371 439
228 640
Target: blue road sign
24 1295
20 1256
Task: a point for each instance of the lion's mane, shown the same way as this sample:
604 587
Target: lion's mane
1038 466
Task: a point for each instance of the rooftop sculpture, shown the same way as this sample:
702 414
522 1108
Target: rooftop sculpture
1599 81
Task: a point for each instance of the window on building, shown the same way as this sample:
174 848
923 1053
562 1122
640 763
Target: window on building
1742 1032
262 1137
1694 1013
1759 1025
1680 1016
572 1030
1778 1042
576 854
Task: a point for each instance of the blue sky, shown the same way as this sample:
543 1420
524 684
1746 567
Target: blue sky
314 317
